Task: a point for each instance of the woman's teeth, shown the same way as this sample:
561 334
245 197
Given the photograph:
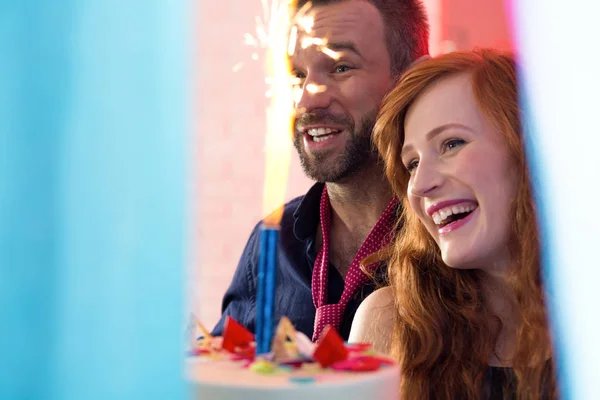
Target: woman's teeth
440 217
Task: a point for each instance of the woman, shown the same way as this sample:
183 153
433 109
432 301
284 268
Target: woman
465 308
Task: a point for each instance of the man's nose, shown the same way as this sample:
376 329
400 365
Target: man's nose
314 94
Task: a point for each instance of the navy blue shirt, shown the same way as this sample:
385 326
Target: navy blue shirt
297 252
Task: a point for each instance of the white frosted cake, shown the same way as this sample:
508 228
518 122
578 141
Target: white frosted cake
229 380
358 374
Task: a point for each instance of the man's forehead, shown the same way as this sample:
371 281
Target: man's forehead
357 22
344 15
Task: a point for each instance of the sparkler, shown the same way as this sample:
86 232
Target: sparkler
277 32
278 37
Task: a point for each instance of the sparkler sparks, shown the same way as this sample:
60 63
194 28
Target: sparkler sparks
312 88
277 32
292 41
306 23
280 114
331 53
308 41
237 67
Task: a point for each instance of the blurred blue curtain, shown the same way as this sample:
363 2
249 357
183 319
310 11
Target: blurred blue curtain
94 108
557 43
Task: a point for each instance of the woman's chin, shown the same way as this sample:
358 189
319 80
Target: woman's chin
457 260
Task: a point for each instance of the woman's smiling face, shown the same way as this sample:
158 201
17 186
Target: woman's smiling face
461 181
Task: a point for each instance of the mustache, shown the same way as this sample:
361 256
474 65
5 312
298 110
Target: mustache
322 117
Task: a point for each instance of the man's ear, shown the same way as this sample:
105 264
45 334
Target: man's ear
419 60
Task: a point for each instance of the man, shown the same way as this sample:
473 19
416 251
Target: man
349 213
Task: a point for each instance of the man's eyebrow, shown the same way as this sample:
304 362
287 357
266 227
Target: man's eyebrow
344 46
334 46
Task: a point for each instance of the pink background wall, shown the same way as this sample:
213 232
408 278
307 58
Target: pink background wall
230 110
475 23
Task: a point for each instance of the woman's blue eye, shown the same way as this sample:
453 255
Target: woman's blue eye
410 167
452 144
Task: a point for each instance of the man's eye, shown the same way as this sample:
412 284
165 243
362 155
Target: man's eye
342 68
298 75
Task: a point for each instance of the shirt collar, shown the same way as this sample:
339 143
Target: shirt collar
306 216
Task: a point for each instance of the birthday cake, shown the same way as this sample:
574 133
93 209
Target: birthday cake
227 368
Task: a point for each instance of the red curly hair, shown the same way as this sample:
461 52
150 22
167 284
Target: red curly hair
442 336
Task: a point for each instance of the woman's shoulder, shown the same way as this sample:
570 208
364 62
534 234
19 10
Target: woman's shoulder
374 320
380 298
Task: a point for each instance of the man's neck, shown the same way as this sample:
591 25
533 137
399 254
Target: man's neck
356 207
360 201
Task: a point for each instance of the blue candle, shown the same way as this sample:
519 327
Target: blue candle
265 297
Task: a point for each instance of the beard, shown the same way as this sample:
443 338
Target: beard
358 152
